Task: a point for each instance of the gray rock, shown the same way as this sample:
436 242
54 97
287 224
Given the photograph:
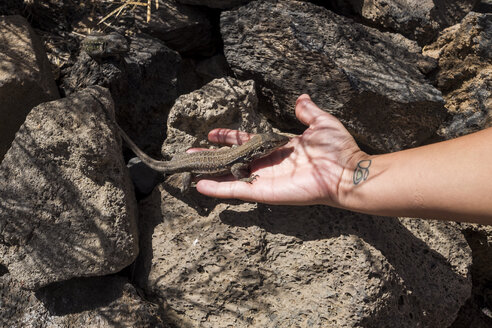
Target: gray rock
222 103
143 177
222 4
477 312
484 6
12 7
25 77
145 102
213 67
101 302
249 265
195 73
183 28
67 208
419 20
372 81
464 74
143 85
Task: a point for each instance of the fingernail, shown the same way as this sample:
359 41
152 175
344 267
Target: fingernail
303 97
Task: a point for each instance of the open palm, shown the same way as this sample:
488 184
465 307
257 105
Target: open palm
307 170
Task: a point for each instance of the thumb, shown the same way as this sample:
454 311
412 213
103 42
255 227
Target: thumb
306 110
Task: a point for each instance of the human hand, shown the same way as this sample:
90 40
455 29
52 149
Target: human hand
308 170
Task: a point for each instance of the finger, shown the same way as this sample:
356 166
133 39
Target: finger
306 110
231 189
229 137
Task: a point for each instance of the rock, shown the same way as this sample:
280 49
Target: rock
183 28
464 74
144 178
222 4
143 85
249 265
11 7
419 20
25 76
195 73
213 68
477 312
89 302
484 6
67 208
224 102
372 81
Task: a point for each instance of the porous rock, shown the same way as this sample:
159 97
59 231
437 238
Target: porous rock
250 265
222 4
25 76
143 84
477 312
222 103
67 208
183 28
372 81
464 74
101 302
419 20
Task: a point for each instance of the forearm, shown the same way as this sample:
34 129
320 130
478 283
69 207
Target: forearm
448 180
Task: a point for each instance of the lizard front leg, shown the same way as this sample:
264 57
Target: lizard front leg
242 173
185 181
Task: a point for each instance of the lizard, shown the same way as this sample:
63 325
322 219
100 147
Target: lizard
98 45
235 160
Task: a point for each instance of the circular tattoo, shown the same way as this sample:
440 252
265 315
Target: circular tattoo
362 171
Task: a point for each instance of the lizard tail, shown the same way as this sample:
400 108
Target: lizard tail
160 166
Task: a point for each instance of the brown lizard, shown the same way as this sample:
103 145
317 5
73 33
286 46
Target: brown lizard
235 160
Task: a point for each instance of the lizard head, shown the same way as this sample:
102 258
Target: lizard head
269 142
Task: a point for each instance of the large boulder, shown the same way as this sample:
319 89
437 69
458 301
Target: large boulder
25 76
372 81
101 302
249 265
464 74
67 207
419 20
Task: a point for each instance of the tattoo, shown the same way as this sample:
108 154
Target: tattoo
362 171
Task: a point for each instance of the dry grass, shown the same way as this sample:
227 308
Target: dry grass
129 5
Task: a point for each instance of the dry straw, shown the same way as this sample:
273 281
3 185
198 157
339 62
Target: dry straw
128 4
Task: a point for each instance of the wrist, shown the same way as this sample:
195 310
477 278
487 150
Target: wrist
358 170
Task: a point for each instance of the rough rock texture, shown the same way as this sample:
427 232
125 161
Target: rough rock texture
195 73
419 20
477 312
371 81
222 4
248 265
142 83
101 302
183 28
67 208
464 75
224 102
25 76
484 6
11 7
